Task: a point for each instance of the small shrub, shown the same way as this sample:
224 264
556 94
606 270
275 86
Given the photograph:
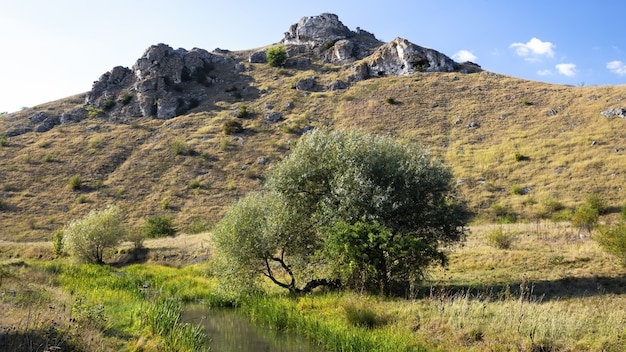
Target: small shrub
242 112
57 243
276 56
159 226
622 214
586 217
180 147
329 44
613 240
562 215
517 190
596 202
48 158
93 111
520 157
81 199
165 203
4 140
126 99
75 183
526 102
232 126
500 239
390 101
136 238
108 104
195 183
224 142
2 204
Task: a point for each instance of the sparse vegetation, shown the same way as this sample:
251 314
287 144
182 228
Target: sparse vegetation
180 147
4 141
613 240
75 182
500 239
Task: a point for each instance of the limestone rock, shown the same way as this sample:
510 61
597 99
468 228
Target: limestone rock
258 57
620 112
337 85
153 87
307 84
401 57
316 30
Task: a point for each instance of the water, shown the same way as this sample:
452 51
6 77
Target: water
230 332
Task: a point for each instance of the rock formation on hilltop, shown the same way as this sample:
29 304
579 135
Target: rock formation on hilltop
165 82
154 86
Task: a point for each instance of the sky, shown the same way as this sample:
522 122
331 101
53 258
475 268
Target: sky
54 49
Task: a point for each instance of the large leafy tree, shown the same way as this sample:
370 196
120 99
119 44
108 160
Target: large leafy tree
333 181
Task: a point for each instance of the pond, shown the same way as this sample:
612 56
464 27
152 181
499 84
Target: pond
231 332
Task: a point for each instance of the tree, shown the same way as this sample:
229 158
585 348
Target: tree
331 193
276 56
87 238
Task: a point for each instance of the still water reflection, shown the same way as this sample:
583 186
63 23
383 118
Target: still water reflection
230 332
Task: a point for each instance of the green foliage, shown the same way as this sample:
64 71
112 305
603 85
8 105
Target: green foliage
4 140
126 98
391 101
232 126
164 319
586 217
595 201
613 240
87 239
517 190
526 102
362 315
328 44
370 257
338 177
93 111
198 226
622 214
195 183
498 238
159 226
242 112
48 158
57 243
108 104
180 147
520 157
276 56
136 238
75 182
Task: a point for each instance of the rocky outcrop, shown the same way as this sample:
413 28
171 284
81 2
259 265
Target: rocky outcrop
155 86
401 57
619 112
329 39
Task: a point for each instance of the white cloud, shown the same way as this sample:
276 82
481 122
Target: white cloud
544 73
535 47
617 67
568 70
464 55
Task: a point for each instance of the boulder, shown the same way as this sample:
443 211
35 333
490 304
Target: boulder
258 57
620 112
307 84
273 117
339 84
317 30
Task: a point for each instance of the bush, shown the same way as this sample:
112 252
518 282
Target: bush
613 240
390 101
108 104
595 201
180 147
136 238
75 182
93 111
500 239
276 56
520 157
242 112
586 217
159 226
518 190
232 126
126 99
622 214
88 238
57 243
4 141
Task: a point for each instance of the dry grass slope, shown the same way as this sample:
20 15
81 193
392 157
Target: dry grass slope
569 150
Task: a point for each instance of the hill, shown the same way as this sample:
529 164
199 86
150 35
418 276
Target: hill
152 139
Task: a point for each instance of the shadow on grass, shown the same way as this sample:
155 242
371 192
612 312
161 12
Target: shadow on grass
48 340
543 290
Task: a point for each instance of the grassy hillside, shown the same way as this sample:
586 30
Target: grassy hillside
546 141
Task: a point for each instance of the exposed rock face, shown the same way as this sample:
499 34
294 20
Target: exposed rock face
400 57
153 87
328 38
316 30
620 112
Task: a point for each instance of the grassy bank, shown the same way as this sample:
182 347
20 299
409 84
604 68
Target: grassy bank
553 289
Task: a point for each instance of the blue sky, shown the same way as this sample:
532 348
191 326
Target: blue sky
54 49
